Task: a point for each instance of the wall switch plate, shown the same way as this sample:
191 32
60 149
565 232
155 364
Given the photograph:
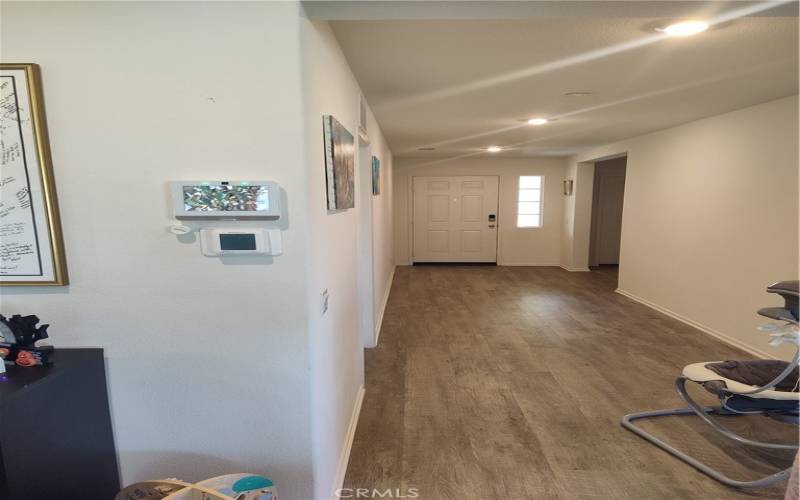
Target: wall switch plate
324 301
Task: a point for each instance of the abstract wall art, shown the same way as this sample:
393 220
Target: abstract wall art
376 176
339 164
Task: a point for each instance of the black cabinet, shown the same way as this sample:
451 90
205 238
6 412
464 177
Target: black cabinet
55 430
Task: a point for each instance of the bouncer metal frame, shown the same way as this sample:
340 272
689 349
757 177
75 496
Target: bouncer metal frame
704 411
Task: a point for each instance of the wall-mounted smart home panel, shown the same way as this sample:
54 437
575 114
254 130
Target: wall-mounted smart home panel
240 241
228 200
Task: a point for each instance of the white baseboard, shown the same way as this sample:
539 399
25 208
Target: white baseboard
694 324
575 269
383 307
344 456
529 264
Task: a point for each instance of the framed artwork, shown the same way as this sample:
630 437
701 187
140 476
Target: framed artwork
339 164
376 176
31 244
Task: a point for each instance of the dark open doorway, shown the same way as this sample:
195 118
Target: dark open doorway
607 201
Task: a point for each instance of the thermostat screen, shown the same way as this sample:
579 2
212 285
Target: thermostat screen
225 198
237 241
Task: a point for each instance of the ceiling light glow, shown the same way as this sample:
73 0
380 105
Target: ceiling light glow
537 121
494 149
685 28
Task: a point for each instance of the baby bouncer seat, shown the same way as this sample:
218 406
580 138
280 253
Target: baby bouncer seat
767 387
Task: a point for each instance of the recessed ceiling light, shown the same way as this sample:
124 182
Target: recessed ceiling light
685 28
537 121
578 94
494 149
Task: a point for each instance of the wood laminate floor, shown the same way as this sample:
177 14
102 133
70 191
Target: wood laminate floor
509 383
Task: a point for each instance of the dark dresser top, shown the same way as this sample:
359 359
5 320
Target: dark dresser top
18 380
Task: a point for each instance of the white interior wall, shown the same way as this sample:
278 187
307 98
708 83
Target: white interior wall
336 347
207 360
517 246
382 223
710 217
577 213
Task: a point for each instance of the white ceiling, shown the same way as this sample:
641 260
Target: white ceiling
461 85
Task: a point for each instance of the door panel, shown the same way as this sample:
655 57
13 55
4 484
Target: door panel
451 219
471 241
473 185
439 241
471 208
438 208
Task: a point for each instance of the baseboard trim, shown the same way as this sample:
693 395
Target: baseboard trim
386 294
344 456
529 264
575 269
694 324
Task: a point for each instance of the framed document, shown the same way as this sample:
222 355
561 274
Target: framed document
31 245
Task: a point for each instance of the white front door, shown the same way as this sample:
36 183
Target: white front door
455 219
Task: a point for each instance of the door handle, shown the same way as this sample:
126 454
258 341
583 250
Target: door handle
491 225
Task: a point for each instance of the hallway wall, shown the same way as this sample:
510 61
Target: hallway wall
138 94
382 223
710 218
520 247
190 340
336 348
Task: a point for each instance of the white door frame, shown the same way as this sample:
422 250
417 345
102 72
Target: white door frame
599 220
581 202
410 209
364 247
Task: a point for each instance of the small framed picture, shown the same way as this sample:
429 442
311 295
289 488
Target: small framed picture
376 176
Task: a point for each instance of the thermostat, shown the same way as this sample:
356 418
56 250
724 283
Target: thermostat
218 242
230 200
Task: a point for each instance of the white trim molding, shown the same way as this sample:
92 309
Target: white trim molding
575 269
344 456
529 264
694 324
382 310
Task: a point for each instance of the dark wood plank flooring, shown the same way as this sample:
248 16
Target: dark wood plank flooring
509 383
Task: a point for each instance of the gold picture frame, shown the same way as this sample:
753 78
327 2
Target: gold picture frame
30 225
